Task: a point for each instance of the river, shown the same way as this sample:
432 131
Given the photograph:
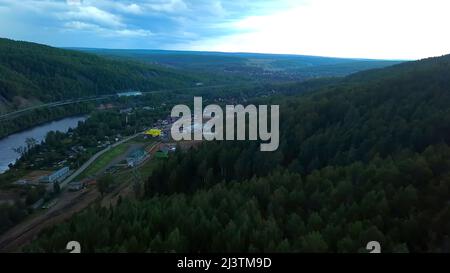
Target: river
7 144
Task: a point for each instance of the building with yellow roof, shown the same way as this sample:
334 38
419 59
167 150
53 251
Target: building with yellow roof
153 132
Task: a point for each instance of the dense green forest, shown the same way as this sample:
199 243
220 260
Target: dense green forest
364 159
31 72
402 202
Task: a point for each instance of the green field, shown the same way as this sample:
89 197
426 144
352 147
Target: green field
104 160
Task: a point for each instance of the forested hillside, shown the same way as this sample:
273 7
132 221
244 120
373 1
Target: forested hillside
366 159
31 73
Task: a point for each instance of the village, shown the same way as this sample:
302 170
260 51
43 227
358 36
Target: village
152 143
66 190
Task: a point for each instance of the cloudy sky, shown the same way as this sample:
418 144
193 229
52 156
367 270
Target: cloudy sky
392 29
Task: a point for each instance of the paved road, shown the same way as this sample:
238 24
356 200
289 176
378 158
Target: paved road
93 158
86 99
51 104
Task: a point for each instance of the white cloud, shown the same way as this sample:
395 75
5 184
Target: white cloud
216 9
346 28
74 2
169 6
133 33
89 18
106 32
93 14
81 26
126 8
131 8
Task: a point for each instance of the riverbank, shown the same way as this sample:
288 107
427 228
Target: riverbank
38 133
39 117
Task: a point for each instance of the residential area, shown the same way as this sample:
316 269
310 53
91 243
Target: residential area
67 185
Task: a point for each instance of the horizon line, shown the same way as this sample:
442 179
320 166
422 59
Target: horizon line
245 52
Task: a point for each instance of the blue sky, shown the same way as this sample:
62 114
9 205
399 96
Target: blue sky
394 29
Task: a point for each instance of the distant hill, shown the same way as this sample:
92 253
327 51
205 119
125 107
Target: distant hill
253 65
424 71
31 73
